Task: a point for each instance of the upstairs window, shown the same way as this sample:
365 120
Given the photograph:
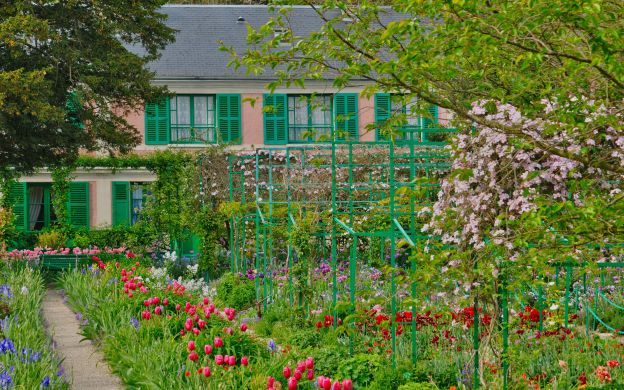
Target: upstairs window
192 119
309 118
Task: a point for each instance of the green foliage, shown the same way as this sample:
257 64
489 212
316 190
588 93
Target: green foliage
236 292
25 328
61 178
419 386
209 226
81 51
53 239
361 368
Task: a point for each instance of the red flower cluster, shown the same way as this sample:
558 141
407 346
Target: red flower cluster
307 367
327 322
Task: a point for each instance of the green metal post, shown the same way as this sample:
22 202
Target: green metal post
539 308
567 295
505 363
475 344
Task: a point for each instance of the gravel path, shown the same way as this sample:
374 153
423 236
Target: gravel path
84 366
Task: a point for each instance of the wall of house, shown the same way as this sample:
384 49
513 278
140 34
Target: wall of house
100 189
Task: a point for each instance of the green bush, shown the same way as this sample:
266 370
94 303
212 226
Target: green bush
419 386
52 239
361 368
236 292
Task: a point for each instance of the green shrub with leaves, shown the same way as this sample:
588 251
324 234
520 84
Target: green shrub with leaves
53 239
236 292
361 368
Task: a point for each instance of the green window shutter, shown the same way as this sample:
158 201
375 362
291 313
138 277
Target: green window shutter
17 199
121 203
432 119
78 204
72 105
157 122
275 119
229 118
383 112
346 108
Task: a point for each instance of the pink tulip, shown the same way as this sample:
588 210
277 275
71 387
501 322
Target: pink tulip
165 301
337 386
156 300
310 375
208 349
191 345
309 363
188 324
218 342
228 330
327 384
207 372
301 366
201 324
347 384
211 308
187 306
146 315
158 310
146 302
320 380
219 360
178 307
270 381
232 360
195 331
292 384
297 374
206 301
193 356
182 332
286 371
245 361
243 327
143 290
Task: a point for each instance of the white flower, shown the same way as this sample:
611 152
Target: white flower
554 307
24 290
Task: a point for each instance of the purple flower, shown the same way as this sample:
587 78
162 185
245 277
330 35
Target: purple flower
46 381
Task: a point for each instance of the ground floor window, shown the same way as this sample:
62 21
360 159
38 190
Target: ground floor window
40 208
309 118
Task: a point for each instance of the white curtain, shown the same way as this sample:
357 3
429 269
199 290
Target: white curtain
35 199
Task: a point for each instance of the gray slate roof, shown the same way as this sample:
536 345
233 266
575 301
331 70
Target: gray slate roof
195 54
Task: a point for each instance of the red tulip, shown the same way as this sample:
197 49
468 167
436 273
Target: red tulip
270 382
218 342
309 363
182 332
347 384
193 356
195 331
301 366
188 324
206 301
146 302
116 264
286 372
156 300
219 360
130 294
158 310
207 372
297 374
243 327
208 349
187 306
310 375
211 308
178 306
231 360
244 360
191 345
326 384
146 315
292 384
320 380
165 301
337 386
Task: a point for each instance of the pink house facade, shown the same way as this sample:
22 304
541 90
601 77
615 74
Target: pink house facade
211 103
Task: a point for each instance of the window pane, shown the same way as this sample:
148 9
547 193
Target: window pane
184 110
35 208
211 110
412 117
201 110
297 117
137 202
